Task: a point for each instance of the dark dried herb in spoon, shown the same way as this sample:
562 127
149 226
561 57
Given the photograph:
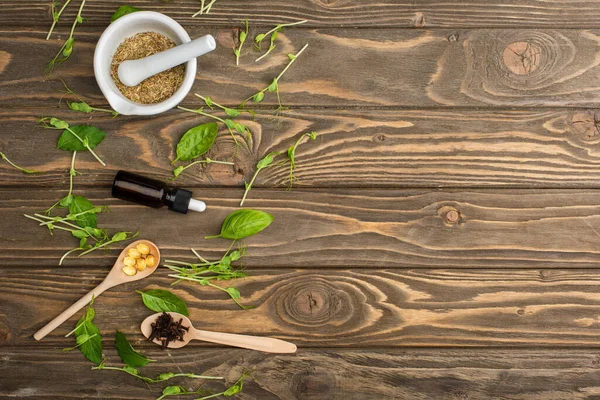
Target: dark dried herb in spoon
167 330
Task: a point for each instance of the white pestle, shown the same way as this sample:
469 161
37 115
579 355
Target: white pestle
133 72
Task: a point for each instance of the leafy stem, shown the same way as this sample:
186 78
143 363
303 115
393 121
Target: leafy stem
160 378
274 85
265 162
291 153
177 171
82 106
242 38
204 9
115 239
56 15
201 112
67 47
278 27
24 170
55 123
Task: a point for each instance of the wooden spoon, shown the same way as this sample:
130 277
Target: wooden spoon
268 345
115 277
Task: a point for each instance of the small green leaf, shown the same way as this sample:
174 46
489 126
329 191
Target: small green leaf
177 171
259 38
58 123
258 97
208 101
66 201
173 390
92 347
82 242
68 49
241 224
197 141
273 86
241 128
165 376
291 56
243 36
130 369
234 293
82 107
67 141
162 300
267 160
81 204
80 234
123 10
231 112
119 236
127 352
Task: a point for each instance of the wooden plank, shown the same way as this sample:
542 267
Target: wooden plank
334 308
405 68
357 228
349 13
355 148
312 374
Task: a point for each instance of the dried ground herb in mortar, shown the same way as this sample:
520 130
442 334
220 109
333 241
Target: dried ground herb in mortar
157 88
166 329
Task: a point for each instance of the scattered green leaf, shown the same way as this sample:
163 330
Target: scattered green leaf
241 224
127 353
162 300
123 10
196 141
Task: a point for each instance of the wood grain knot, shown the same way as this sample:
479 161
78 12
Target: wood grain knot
521 58
419 20
450 215
314 384
379 138
453 37
313 303
585 125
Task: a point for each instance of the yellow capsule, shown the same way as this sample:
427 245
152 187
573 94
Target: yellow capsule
133 253
141 264
129 261
129 271
143 248
150 261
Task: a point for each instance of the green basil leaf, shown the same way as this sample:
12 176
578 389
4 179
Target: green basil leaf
66 201
273 86
92 347
123 10
81 204
241 224
127 353
197 141
67 141
267 160
234 293
162 300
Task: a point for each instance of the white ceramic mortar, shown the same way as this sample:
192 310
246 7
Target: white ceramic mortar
114 35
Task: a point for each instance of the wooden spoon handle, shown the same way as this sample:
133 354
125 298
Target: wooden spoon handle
268 345
65 315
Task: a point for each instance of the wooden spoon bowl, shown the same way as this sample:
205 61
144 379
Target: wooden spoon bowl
115 277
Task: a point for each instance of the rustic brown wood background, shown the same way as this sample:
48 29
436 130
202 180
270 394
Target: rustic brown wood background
486 110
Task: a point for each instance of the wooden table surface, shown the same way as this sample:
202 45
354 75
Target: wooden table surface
442 242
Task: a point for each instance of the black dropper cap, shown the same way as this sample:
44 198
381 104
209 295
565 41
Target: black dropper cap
154 193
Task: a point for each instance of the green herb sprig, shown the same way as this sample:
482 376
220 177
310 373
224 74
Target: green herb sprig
274 85
242 38
67 47
206 271
56 14
263 163
12 164
291 153
165 376
204 9
177 171
87 136
82 106
231 125
206 394
274 33
87 336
